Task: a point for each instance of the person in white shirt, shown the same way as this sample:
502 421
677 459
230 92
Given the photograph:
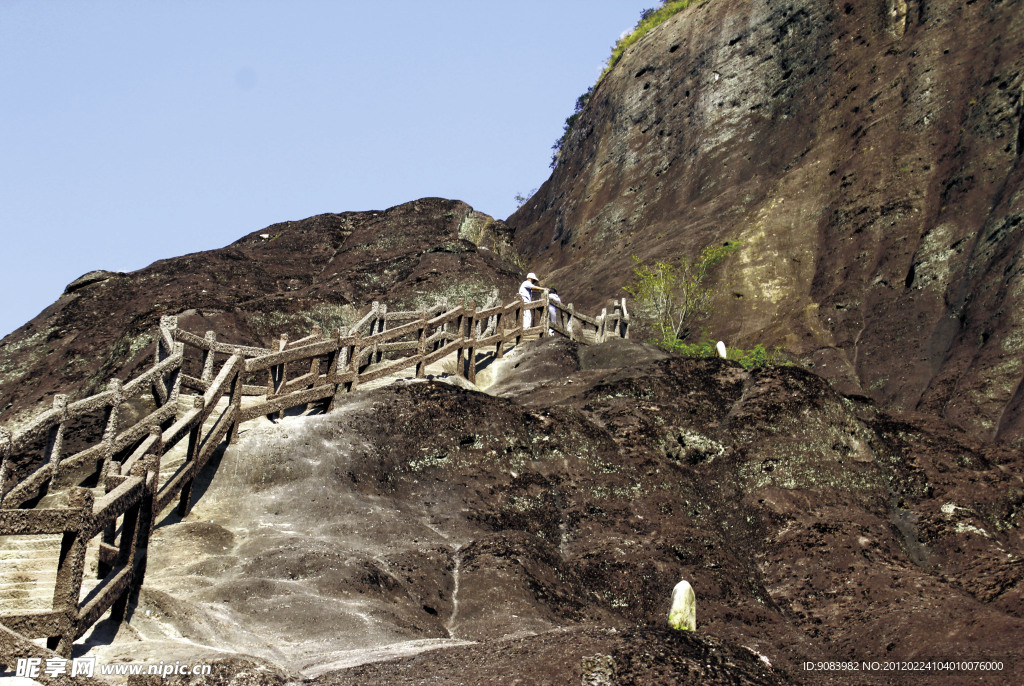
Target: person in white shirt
552 310
526 293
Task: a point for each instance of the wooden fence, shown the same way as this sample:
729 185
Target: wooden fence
115 489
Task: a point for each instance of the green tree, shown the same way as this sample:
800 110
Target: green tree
674 296
521 199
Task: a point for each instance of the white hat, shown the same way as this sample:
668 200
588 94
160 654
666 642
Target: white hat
532 276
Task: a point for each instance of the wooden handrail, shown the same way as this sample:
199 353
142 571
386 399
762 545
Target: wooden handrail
134 492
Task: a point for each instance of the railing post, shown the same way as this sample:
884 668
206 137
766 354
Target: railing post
518 314
55 439
545 314
602 326
460 325
168 323
166 387
456 325
235 401
115 386
314 364
112 426
147 519
375 308
624 321
173 383
282 369
111 469
499 349
353 360
271 381
208 356
129 541
5 456
443 340
276 376
441 329
70 566
460 328
440 341
570 324
374 355
372 331
421 346
191 459
382 325
470 371
335 361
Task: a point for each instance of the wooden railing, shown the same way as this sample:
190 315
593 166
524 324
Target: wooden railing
129 465
125 466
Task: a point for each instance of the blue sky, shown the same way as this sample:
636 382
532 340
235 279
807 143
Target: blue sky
135 131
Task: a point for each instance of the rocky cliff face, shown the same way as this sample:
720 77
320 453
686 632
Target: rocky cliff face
868 155
280 280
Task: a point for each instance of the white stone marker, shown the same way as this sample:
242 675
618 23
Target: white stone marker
683 615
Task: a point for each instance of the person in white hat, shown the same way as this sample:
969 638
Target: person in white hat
526 293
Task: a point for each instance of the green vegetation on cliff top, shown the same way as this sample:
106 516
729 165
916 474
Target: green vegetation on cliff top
649 19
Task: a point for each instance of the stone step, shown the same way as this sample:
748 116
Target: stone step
22 543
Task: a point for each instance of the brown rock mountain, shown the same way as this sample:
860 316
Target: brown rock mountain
868 155
282 279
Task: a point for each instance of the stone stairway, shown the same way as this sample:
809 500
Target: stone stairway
28 564
29 571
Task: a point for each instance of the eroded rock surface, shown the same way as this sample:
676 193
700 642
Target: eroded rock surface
867 154
424 515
